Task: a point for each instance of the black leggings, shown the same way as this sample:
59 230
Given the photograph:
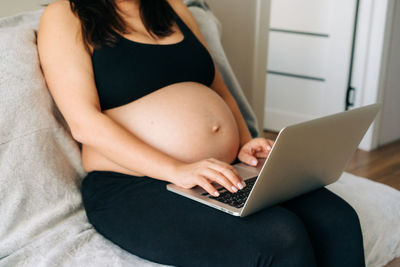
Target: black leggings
141 216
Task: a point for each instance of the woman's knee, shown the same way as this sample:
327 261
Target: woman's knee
342 216
347 224
287 244
323 211
350 215
336 233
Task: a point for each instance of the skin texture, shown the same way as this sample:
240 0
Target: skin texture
182 114
118 139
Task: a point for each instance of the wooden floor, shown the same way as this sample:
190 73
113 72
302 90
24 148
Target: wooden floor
380 165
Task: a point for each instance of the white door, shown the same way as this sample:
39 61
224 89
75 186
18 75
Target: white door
310 45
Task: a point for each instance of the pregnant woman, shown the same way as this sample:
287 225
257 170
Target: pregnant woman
139 90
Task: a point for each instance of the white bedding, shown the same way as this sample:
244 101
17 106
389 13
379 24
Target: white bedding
42 219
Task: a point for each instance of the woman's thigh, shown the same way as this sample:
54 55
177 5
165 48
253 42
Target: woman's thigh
145 219
333 227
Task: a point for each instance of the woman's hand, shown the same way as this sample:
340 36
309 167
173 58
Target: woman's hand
204 172
255 148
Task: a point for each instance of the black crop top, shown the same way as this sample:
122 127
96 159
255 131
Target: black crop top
130 70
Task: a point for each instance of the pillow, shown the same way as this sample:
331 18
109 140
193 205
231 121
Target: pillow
39 161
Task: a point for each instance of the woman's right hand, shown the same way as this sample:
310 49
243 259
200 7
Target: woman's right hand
204 172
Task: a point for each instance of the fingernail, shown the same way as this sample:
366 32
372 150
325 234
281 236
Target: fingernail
216 194
244 184
254 162
269 148
234 189
240 185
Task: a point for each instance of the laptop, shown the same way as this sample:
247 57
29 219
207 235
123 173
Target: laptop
304 157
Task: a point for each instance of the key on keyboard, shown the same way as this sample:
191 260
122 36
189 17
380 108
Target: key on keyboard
235 199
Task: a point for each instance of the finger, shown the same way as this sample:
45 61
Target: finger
206 185
218 177
271 144
259 149
247 158
227 166
262 154
265 144
235 178
229 172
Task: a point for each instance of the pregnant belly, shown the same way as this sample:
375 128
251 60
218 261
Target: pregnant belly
187 121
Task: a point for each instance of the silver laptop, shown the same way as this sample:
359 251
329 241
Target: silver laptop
305 157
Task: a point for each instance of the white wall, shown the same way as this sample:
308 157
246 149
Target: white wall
390 124
10 7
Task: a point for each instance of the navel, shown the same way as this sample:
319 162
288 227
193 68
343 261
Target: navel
215 128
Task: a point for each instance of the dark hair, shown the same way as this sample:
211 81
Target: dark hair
100 19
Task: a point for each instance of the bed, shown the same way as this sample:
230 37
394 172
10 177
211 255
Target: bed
43 222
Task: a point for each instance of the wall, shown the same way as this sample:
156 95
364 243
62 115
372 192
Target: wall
9 7
390 124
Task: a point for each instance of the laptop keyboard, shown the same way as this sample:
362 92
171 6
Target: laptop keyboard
237 199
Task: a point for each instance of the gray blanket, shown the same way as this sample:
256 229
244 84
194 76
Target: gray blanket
42 220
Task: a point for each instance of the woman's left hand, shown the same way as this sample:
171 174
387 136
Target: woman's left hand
255 148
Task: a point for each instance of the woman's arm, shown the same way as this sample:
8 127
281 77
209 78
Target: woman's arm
68 71
67 67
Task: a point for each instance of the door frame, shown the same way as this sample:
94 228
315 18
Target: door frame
373 37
